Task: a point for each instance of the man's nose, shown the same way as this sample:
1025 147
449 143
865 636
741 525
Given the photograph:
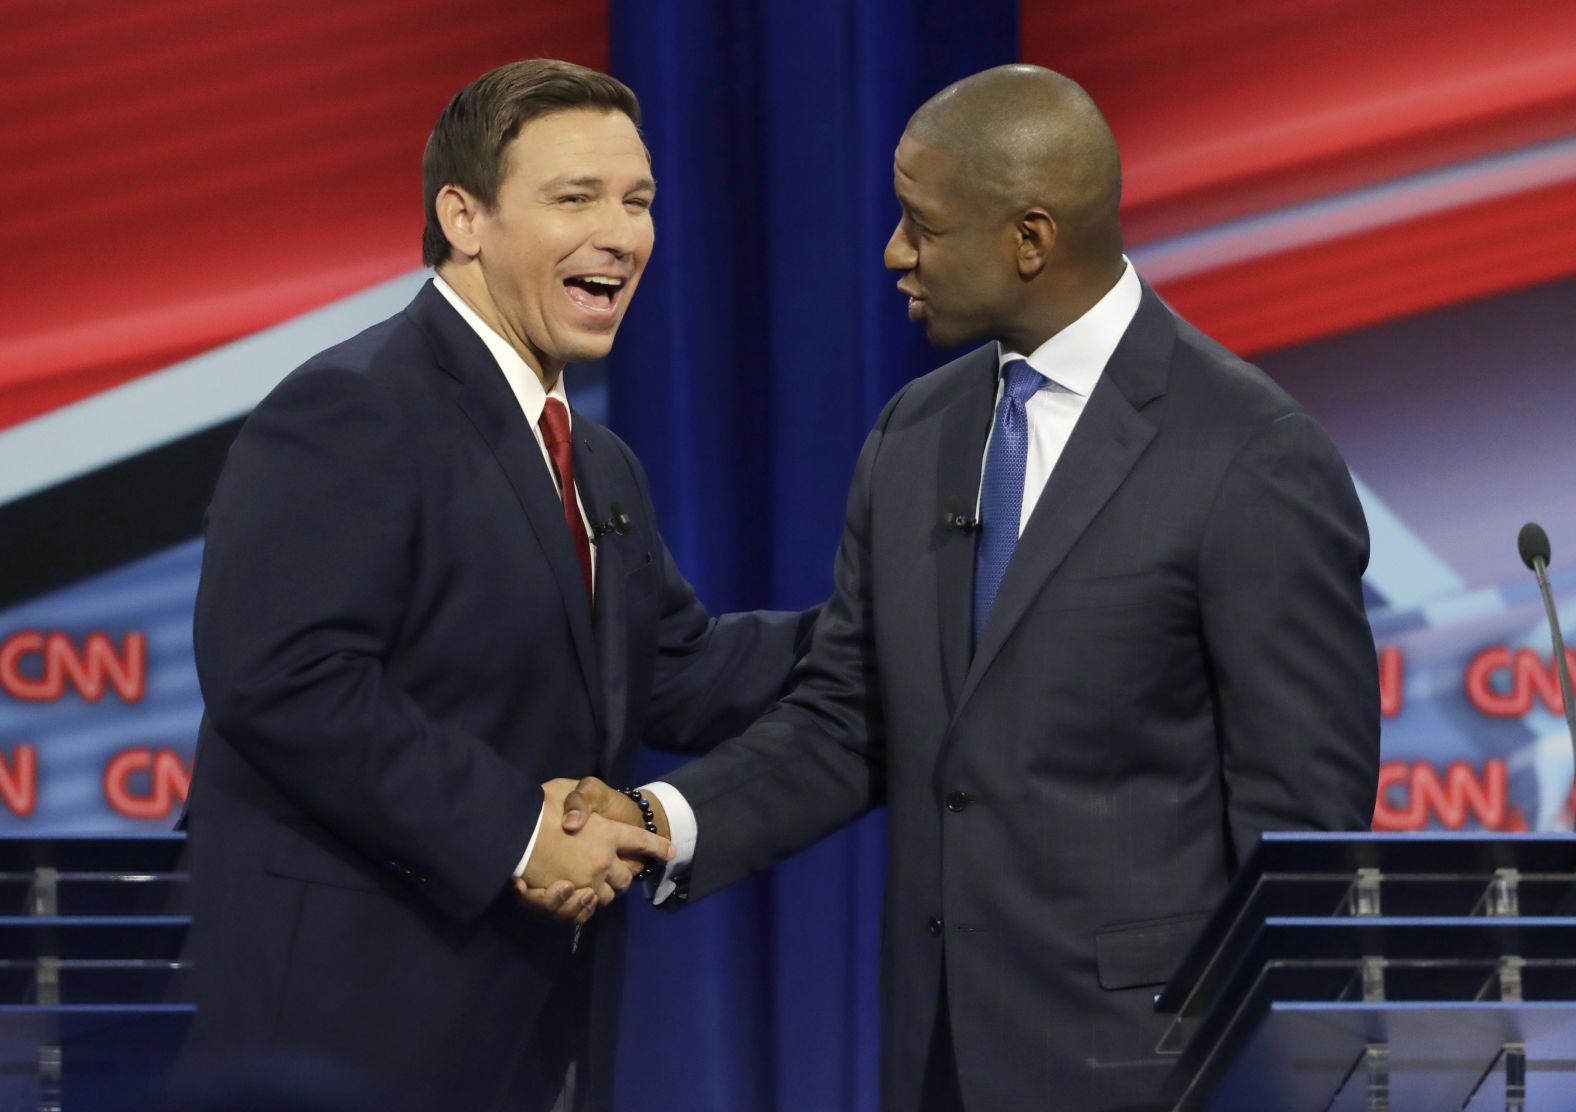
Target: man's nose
899 253
618 230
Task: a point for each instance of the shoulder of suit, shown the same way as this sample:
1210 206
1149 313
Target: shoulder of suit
927 395
391 353
1228 387
387 366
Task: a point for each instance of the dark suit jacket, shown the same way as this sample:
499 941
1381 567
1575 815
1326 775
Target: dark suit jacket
1177 660
395 651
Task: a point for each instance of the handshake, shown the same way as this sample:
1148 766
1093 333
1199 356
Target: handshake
591 846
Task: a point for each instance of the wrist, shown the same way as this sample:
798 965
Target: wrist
652 817
659 815
650 810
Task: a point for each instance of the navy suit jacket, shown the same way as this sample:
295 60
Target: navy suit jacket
1177 660
395 650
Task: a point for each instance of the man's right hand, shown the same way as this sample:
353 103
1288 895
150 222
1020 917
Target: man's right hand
591 798
593 852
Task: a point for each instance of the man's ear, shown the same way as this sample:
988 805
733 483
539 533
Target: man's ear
1036 237
458 214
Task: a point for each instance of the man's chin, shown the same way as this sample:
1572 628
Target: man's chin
940 336
587 347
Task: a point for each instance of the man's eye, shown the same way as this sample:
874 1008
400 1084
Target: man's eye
573 199
640 204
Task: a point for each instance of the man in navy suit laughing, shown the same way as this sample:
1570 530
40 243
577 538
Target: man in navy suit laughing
415 628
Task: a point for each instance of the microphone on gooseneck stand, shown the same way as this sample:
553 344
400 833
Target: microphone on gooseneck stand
952 517
1533 544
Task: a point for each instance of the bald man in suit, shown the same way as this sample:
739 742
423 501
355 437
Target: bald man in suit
1098 623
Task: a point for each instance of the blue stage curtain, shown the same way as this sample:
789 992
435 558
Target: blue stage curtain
765 339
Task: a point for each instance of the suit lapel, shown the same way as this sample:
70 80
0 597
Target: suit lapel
491 407
1106 443
964 427
610 618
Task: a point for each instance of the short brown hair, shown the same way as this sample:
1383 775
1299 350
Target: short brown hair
466 147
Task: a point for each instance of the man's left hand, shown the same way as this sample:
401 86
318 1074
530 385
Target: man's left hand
562 901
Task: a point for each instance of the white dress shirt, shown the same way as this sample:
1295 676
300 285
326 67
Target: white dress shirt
527 388
1072 361
532 397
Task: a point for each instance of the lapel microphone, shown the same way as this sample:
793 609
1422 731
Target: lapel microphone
952 517
617 522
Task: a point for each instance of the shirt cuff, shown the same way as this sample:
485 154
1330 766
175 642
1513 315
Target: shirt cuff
681 832
519 870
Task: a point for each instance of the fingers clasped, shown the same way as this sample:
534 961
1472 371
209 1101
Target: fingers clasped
561 901
587 852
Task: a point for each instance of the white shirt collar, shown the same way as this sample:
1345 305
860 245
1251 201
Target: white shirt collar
1075 356
522 379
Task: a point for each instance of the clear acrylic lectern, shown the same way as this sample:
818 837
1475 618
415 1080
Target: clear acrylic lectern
90 938
1383 973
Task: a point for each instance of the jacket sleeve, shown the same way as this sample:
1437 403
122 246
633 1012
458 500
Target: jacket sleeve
306 573
712 676
816 761
1289 647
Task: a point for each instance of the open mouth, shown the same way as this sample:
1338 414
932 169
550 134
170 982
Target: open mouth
596 293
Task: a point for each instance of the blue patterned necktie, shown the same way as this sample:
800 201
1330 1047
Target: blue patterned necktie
1001 492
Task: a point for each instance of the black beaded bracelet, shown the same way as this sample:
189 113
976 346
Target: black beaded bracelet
647 817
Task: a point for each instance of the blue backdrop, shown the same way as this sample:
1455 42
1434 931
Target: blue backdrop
746 377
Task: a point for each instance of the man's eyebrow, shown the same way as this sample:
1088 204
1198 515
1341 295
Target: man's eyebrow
591 181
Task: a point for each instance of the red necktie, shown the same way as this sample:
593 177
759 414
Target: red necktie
555 434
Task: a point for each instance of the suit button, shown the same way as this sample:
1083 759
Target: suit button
933 925
957 801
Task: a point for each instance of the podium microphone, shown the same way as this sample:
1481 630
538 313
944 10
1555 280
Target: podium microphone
1533 544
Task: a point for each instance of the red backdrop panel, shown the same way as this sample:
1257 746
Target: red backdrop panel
1390 272
178 175
1227 110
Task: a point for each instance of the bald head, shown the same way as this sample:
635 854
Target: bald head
1033 138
